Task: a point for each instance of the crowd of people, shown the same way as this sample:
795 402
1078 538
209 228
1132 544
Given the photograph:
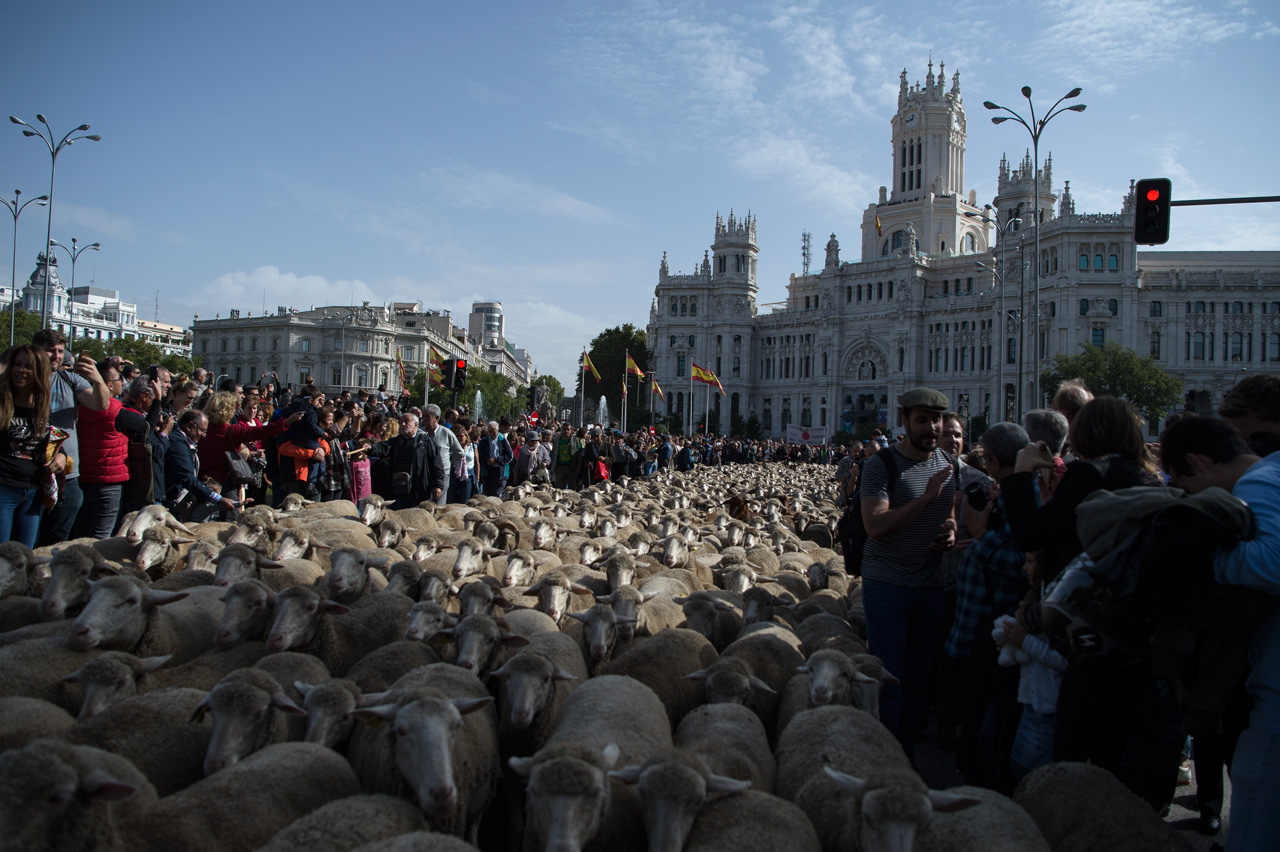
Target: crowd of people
1066 590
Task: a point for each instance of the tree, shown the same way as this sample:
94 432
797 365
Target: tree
25 325
1114 370
608 352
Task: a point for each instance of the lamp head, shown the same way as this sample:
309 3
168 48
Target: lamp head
82 128
1026 91
29 132
94 138
16 120
56 243
1000 120
40 118
987 104
94 246
1075 93
42 200
1078 107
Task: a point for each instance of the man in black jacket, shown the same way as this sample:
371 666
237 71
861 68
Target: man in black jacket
417 466
185 493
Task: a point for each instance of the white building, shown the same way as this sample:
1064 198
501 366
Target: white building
487 326
171 339
87 311
915 309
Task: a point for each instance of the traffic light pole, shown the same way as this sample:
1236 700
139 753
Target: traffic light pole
1197 202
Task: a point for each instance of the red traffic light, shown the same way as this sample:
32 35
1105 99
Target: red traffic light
462 365
1153 194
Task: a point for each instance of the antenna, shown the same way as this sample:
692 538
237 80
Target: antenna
805 250
157 314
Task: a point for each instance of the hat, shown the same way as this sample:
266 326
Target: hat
531 436
926 398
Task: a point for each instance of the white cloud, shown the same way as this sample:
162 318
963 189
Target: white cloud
484 189
111 226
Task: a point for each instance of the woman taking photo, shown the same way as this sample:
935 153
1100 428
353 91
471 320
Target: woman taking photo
24 441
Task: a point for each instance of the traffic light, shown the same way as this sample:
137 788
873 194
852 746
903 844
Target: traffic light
1151 212
459 374
447 369
532 393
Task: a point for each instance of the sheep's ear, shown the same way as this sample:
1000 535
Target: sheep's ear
264 562
804 669
320 545
102 787
757 683
374 716
153 598
721 605
173 523
862 678
888 678
521 766
503 603
373 698
700 674
39 560
181 540
605 599
627 774
610 754
534 589
679 600
150 664
513 640
74 677
561 674
577 616
722 784
447 633
855 787
334 608
282 702
944 802
198 714
648 596
579 590
304 689
471 705
500 672
375 561
101 569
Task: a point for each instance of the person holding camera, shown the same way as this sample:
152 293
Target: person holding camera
185 494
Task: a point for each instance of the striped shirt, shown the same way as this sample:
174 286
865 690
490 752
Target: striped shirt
904 558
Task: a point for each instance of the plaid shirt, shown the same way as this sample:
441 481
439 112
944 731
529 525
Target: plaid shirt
990 583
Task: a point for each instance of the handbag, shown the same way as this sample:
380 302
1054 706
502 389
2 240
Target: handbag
401 483
239 471
601 471
459 471
361 484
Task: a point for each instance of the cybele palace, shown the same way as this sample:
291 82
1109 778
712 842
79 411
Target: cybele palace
915 308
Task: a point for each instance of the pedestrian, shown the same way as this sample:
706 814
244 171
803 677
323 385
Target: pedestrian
494 459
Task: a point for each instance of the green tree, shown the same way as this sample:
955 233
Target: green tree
1114 370
608 352
25 325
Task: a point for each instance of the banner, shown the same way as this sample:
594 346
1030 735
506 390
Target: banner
806 434
698 374
632 368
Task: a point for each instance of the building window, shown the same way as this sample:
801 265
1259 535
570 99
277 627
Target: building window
253 344
675 306
968 286
363 347
304 373
815 302
1198 308
1237 346
1113 262
1114 307
1099 336
673 340
806 303
1197 346
692 341
824 363
204 346
337 376
879 290
306 344
1084 307
693 307
222 344
848 295
1084 263
1097 262
679 365
1272 349
1155 344
860 292
275 344
1157 309
946 286
766 418
684 307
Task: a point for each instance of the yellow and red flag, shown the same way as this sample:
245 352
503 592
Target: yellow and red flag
657 389
879 233
632 368
705 376
587 365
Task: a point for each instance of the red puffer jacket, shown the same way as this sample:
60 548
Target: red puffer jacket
102 447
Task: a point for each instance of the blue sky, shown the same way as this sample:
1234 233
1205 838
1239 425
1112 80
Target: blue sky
547 154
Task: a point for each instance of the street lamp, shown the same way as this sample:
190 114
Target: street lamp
1013 221
47 136
75 255
1035 128
16 209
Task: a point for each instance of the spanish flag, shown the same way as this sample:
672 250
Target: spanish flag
587 365
705 376
433 375
657 389
400 367
879 233
436 357
632 368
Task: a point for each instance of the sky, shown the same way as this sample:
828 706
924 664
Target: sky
547 154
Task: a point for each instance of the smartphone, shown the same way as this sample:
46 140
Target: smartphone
153 372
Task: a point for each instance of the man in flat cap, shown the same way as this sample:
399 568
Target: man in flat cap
908 502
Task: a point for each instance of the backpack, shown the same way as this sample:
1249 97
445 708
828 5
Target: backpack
851 530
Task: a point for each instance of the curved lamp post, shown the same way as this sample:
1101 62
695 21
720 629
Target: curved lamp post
75 255
1035 127
1004 231
16 209
47 137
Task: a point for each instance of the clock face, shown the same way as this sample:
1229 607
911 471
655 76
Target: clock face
910 120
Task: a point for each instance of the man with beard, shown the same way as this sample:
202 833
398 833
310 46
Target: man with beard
910 521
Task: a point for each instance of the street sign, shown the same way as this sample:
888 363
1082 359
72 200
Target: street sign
533 418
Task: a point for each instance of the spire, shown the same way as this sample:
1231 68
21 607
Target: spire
955 84
902 88
942 76
664 270
928 80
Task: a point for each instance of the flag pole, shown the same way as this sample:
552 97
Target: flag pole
689 430
625 383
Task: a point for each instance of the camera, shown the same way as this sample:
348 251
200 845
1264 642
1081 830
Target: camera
976 493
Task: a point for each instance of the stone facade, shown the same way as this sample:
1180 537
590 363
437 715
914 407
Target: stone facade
916 308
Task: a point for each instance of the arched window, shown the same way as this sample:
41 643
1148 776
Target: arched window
673 340
946 287
1084 307
879 290
1114 307
1097 262
675 306
1113 262
1197 346
684 307
848 296
1197 308
859 292
692 341
970 243
1157 309
693 306
737 366
890 289
1084 263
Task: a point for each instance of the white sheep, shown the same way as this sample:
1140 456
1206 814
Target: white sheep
998 826
249 709
335 634
343 825
124 614
532 686
662 663
743 820
733 742
673 786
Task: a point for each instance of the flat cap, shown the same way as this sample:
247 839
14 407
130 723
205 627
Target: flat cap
926 398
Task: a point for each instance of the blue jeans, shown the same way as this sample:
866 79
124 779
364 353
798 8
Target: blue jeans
57 524
100 510
20 514
1033 744
904 629
1255 778
459 490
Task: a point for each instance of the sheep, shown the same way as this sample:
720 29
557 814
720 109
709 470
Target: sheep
36 667
822 602
753 670
352 575
380 668
301 544
473 557
829 631
343 825
435 585
555 595
426 619
328 706
733 742
71 570
758 605
481 644
237 562
711 616
390 531
519 569
438 745
480 597
404 578
1077 806
662 662
249 708
200 555
743 820
18 611
532 686
652 612
571 801
597 635
419 841
249 607
305 622
20 573
135 524
25 719
123 614
791 583
152 731
372 509
58 797
848 773
530 622
110 678
243 807
676 554
999 825
255 531
158 554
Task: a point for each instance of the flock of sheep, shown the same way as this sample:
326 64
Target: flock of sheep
670 664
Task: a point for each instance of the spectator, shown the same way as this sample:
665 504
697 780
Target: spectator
416 468
1072 396
184 490
1253 407
104 440
909 523
222 436
143 397
494 457
450 446
532 454
460 490
24 439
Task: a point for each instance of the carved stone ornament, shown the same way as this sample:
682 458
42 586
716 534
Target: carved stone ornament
858 359
720 305
739 305
1098 308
